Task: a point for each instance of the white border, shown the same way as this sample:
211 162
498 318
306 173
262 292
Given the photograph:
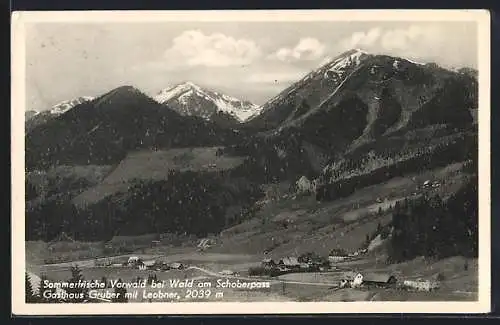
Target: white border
19 19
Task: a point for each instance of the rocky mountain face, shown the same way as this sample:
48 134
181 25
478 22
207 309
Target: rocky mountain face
189 99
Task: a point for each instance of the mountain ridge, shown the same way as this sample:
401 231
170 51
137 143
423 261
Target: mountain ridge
188 98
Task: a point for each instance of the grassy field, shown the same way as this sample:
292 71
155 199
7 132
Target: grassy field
155 165
311 226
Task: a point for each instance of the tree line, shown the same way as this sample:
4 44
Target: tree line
461 149
189 202
434 227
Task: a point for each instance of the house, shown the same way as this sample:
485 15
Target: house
102 262
336 258
379 279
149 264
303 185
267 262
177 266
132 260
226 272
306 266
289 262
421 285
357 281
343 283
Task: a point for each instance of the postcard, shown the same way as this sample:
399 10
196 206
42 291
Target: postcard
250 162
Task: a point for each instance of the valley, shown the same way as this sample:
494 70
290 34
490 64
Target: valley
368 163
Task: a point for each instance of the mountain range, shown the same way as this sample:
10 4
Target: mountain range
192 100
34 117
358 120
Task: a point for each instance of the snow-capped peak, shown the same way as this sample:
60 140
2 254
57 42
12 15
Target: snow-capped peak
175 91
66 105
347 59
188 98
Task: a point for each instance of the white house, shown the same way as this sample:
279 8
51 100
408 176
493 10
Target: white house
335 259
303 185
352 280
226 272
133 260
421 285
357 281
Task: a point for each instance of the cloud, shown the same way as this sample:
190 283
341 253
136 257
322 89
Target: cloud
306 49
362 39
194 48
424 43
395 39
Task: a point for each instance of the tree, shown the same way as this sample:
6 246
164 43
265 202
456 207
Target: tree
79 293
29 293
120 293
105 281
46 292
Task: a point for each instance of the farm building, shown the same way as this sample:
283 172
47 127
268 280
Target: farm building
149 264
351 279
379 279
343 283
303 185
227 272
177 266
289 262
102 262
336 258
421 285
267 262
133 260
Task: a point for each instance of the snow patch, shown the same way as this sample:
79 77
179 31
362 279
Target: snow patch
414 62
183 93
65 106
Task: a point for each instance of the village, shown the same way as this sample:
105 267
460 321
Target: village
337 262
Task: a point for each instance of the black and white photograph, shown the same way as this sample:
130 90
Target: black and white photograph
250 162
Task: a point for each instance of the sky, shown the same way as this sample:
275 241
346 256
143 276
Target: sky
248 60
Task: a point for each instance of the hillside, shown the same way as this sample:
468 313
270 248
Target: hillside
102 131
356 104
